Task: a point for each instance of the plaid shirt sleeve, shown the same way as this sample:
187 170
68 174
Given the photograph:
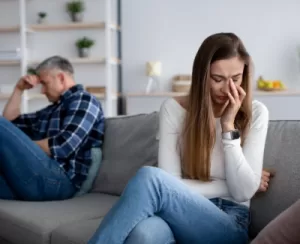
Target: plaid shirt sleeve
25 122
81 115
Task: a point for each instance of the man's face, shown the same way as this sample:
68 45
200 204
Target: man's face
53 84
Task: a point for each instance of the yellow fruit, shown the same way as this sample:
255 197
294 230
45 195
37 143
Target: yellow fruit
261 84
276 84
269 84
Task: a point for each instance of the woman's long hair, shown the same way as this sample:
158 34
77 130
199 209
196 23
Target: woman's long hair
198 134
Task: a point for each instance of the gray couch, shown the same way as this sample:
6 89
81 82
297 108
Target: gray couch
130 142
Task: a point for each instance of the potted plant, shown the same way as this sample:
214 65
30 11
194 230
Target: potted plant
42 17
83 46
75 9
31 71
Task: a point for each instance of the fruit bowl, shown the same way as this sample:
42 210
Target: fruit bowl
270 85
271 89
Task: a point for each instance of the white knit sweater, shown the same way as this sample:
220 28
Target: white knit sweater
235 171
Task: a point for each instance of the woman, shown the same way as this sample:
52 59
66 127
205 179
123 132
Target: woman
210 159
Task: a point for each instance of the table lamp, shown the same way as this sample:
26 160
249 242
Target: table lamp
153 71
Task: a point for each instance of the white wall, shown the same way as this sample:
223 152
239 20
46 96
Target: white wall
172 30
47 43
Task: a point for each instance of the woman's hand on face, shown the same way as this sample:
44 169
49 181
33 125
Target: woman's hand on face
264 182
236 96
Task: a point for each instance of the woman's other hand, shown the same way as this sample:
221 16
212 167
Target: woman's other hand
264 182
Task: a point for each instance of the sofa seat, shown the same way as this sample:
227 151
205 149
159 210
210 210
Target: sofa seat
75 233
33 222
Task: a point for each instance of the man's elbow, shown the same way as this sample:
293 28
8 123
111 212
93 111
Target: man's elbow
60 151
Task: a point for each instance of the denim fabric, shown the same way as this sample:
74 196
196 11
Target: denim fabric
151 230
191 218
26 172
239 213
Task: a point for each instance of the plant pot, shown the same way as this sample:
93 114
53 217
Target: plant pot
76 17
83 52
41 20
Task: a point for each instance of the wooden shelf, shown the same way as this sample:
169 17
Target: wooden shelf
9 28
82 61
71 26
9 62
176 94
72 60
157 94
66 26
277 93
41 96
102 96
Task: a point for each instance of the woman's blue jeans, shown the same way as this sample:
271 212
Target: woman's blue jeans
156 207
26 172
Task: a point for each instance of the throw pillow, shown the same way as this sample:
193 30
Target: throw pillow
93 171
284 229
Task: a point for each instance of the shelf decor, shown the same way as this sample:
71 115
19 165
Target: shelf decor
42 17
83 46
75 9
270 85
182 83
21 57
153 71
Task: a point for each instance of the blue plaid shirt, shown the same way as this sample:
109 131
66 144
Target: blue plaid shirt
73 126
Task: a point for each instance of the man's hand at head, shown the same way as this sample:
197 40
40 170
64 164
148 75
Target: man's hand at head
27 82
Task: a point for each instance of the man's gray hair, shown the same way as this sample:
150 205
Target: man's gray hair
55 62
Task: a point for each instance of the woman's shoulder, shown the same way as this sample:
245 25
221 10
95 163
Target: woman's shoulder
172 110
172 105
260 114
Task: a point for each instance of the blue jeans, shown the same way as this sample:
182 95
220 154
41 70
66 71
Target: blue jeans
156 207
26 171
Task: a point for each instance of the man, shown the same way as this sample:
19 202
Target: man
46 155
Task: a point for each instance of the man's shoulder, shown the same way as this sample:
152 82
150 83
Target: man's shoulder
84 104
83 97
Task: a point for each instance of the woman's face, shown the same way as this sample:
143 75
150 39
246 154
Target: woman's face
221 72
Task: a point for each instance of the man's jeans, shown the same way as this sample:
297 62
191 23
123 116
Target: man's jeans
156 207
26 171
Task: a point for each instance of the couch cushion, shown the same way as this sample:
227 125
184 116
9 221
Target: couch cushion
283 155
2 241
129 143
93 171
284 229
32 222
75 233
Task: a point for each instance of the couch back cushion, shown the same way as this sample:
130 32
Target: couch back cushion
129 143
282 154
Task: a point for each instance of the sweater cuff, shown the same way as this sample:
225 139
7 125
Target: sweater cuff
228 142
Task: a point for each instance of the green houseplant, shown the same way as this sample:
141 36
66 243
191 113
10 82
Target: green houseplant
84 45
42 17
31 71
75 9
